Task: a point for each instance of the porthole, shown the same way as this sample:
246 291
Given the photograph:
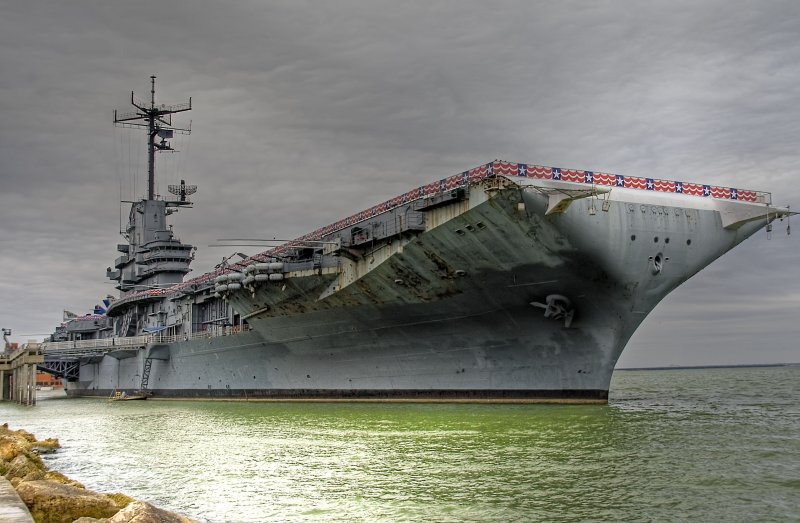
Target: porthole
666 240
655 240
633 237
689 242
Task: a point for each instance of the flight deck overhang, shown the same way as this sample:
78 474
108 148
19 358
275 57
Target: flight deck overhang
734 214
560 194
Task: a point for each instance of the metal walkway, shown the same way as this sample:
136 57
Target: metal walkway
71 350
62 358
68 350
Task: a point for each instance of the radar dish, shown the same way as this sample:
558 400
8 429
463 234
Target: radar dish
182 190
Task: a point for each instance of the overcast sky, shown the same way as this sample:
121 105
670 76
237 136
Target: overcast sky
305 112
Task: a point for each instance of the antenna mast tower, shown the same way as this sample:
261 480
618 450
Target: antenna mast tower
157 119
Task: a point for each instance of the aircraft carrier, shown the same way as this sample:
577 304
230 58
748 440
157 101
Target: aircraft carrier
505 282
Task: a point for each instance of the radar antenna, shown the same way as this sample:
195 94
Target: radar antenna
182 190
157 119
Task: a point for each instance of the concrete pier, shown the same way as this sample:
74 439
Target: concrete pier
12 509
18 373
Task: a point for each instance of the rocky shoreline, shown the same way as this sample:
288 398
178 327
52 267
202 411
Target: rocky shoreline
51 497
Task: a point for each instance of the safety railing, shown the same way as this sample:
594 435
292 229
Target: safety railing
213 333
100 343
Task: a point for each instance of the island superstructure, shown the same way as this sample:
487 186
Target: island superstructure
506 282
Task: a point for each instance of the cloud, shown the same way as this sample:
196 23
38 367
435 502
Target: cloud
307 111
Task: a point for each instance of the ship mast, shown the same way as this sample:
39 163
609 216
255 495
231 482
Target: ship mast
153 256
158 122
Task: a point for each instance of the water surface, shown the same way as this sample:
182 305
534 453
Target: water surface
677 445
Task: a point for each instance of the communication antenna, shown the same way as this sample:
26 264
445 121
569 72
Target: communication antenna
6 334
157 120
224 263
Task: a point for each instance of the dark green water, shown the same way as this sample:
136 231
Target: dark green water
678 445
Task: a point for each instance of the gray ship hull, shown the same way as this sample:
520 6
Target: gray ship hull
499 301
245 368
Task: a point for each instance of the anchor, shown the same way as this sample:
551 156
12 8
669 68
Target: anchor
557 307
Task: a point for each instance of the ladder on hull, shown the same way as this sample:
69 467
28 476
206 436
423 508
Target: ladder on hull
148 363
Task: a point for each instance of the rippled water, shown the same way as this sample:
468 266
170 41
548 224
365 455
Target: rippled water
678 445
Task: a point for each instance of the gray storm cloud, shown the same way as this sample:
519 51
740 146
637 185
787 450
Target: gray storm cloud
305 112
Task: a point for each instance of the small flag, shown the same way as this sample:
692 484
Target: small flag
68 315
